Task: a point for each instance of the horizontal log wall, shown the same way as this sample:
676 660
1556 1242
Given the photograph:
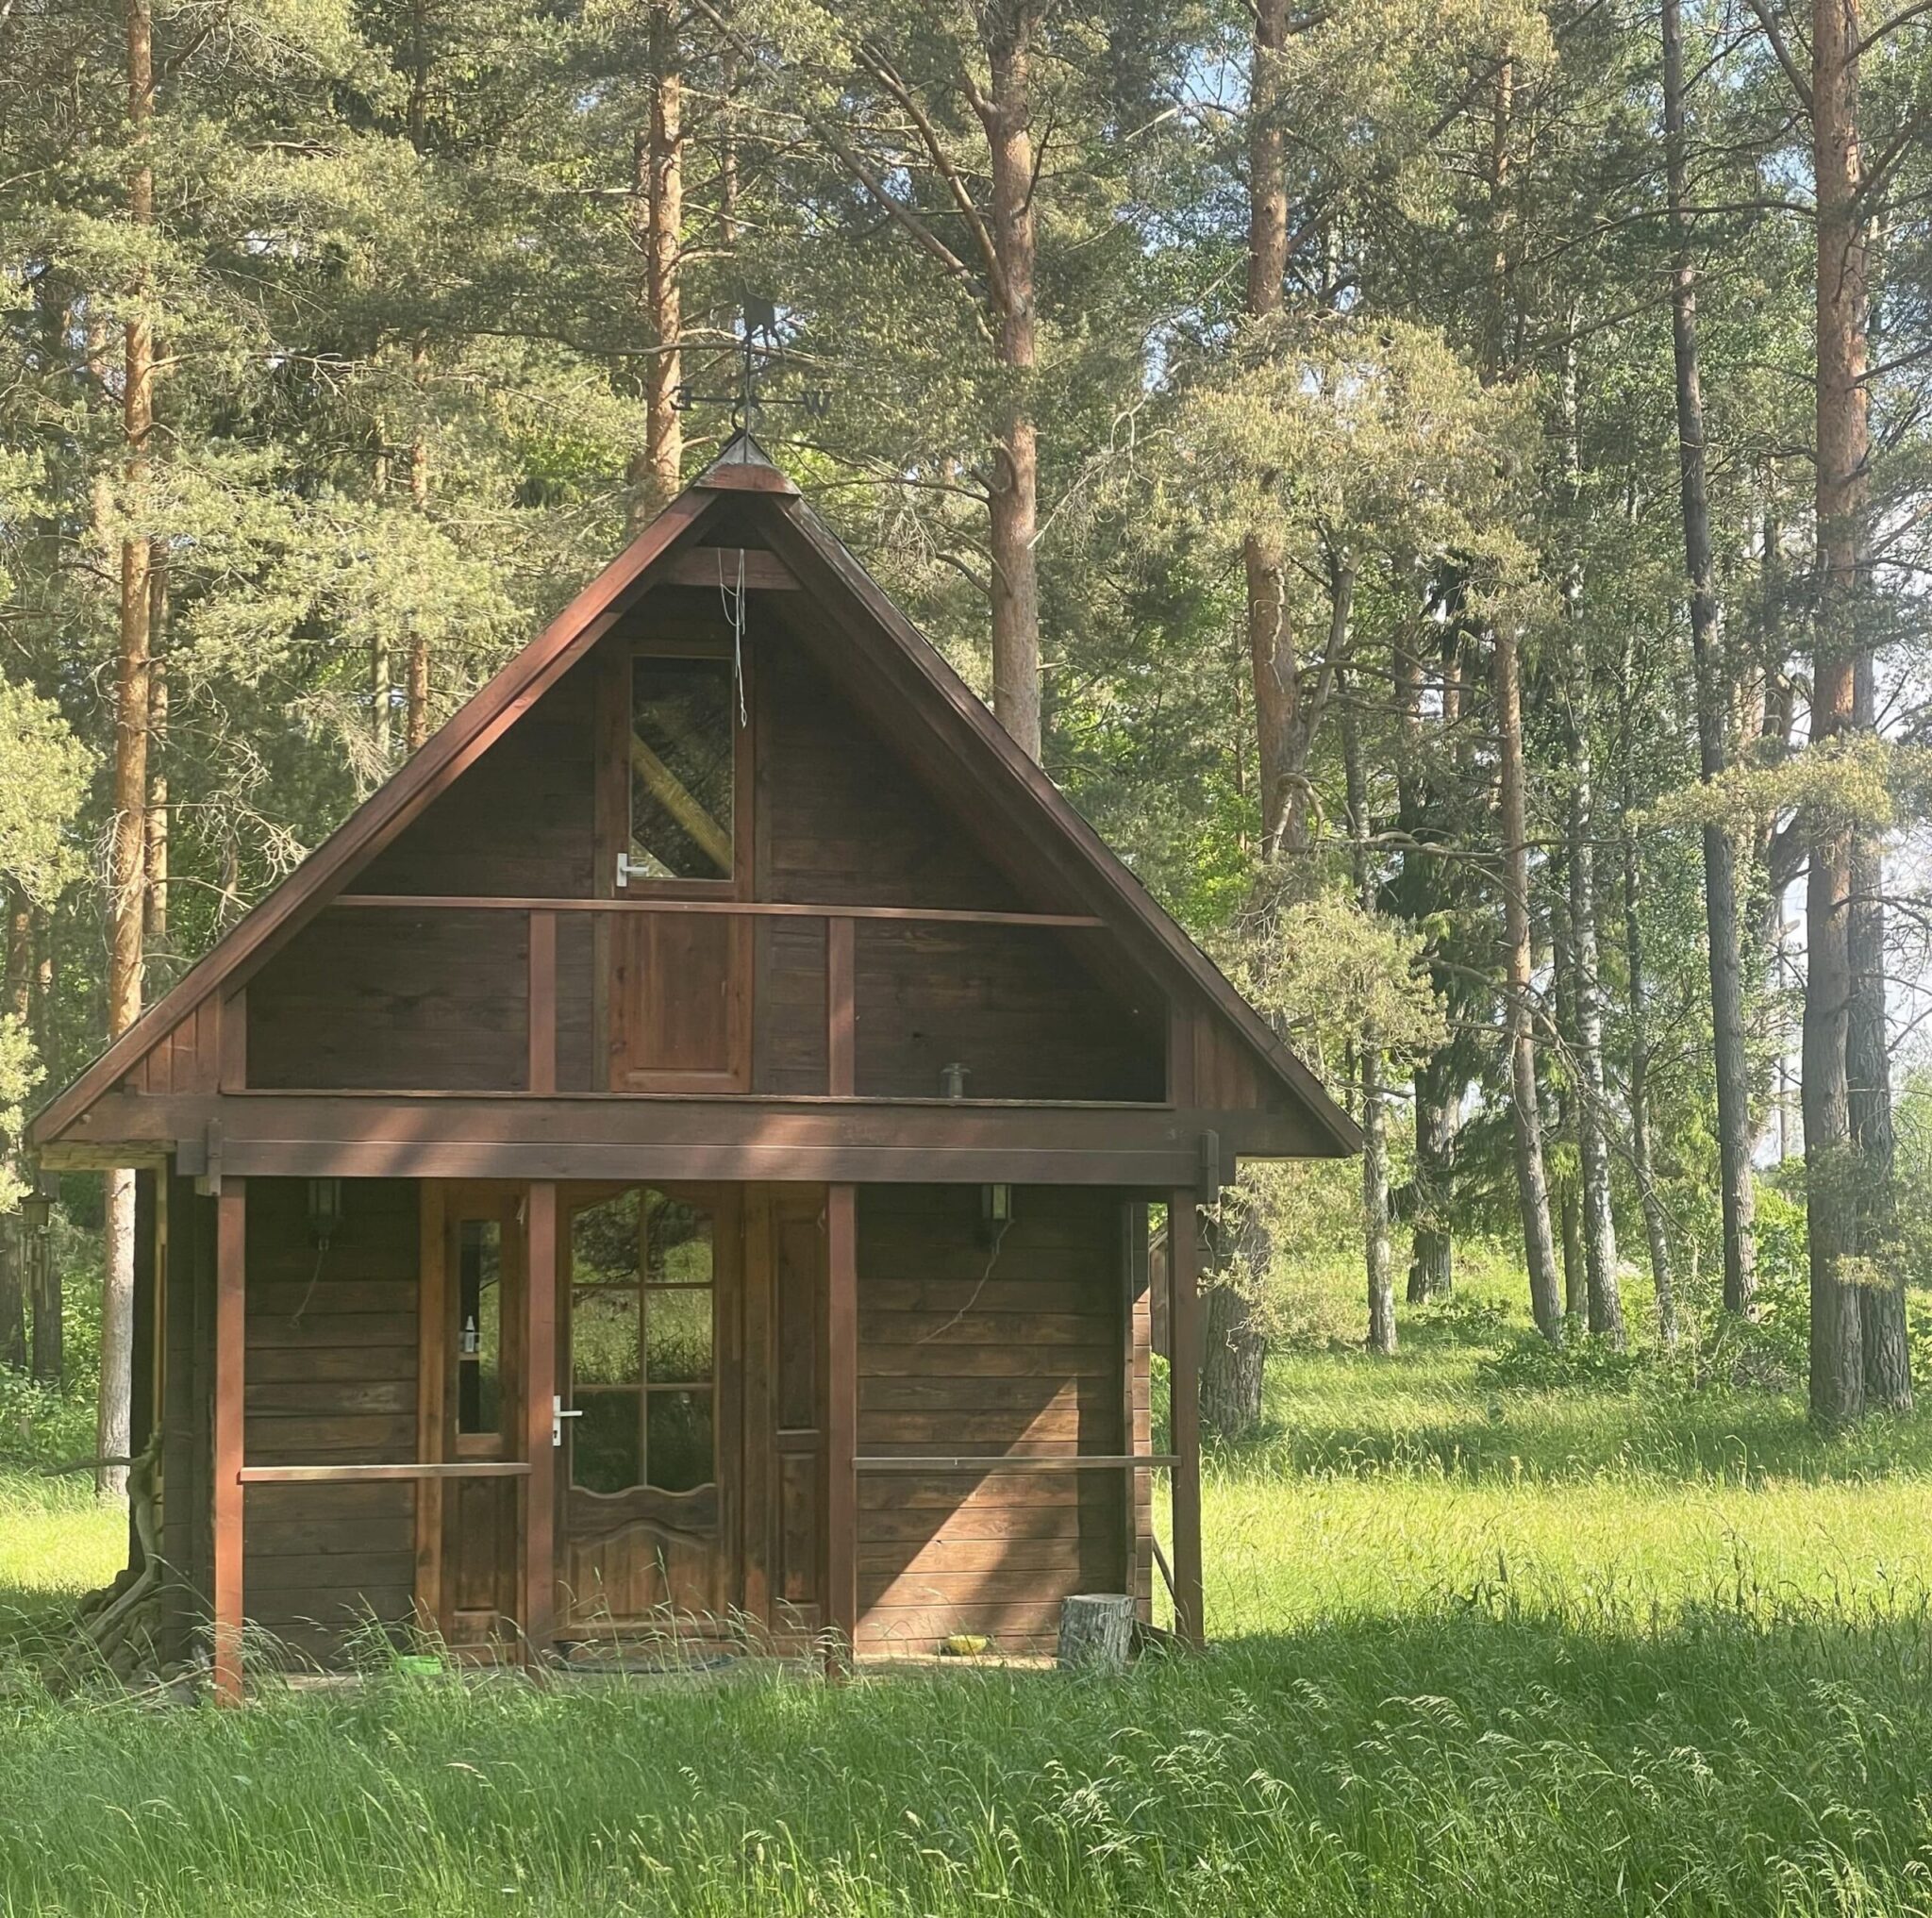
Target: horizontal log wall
330 1378
958 1358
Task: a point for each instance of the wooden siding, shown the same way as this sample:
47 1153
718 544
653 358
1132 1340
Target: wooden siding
330 1378
842 821
959 1352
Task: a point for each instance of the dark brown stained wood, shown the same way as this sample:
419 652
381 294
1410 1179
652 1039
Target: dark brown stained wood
908 679
230 1375
490 715
842 1026
714 568
1137 1326
370 1134
992 1397
746 475
759 1399
226 1021
432 1385
842 1421
712 908
332 1341
184 1471
1184 1265
394 1000
388 1474
680 1015
540 1374
540 1075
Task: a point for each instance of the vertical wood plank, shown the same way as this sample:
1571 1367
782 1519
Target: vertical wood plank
1183 1240
1136 1435
231 1028
540 1384
1180 1051
432 1385
232 1241
760 1508
842 1414
543 1003
842 1012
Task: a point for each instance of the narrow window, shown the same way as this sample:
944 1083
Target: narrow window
682 769
479 1327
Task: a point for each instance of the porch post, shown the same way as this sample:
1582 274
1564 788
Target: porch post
231 1240
540 1386
1184 1340
842 1412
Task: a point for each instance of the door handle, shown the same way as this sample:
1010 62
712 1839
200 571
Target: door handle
558 1413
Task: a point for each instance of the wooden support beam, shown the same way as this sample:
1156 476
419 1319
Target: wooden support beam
231 1027
1184 1331
541 1077
1022 1461
540 1386
842 1010
430 1471
841 1416
742 909
432 1376
231 1243
719 566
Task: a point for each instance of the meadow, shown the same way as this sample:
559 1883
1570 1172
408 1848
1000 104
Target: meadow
1478 1648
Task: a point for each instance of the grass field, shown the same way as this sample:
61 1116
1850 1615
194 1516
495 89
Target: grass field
1478 1651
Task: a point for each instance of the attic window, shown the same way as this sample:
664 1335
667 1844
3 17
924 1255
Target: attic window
681 768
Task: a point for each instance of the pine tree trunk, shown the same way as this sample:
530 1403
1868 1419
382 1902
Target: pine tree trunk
1012 495
1655 1226
1532 1185
1271 641
158 815
1832 1173
1232 1357
1598 1226
416 699
127 854
1736 1192
657 217
1884 1349
1376 1257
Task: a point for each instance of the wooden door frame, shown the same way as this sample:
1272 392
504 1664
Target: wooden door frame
730 1202
442 1206
611 835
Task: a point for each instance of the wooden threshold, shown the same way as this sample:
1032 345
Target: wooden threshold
369 1475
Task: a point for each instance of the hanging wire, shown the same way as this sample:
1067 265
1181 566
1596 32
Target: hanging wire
732 599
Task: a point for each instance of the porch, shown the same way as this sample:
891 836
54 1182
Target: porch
531 1413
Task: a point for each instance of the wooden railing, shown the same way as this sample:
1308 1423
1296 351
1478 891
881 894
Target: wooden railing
840 964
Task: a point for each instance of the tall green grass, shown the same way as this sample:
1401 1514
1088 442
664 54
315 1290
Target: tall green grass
1479 1650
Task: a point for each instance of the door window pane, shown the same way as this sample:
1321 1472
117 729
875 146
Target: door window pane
605 1455
678 1440
681 768
677 1334
479 1325
604 1240
604 1336
678 1242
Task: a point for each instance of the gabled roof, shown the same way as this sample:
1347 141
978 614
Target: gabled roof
908 673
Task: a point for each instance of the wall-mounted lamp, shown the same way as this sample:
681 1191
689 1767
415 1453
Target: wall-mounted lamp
995 1209
325 1209
37 1209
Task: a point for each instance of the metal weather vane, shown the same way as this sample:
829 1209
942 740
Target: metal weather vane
760 352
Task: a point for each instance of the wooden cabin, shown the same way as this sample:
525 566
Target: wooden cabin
682 1153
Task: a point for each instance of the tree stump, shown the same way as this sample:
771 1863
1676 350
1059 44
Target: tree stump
1096 1631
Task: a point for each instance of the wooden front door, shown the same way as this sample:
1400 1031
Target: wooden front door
649 1316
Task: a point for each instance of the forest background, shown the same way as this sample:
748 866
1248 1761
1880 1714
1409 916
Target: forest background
1442 484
